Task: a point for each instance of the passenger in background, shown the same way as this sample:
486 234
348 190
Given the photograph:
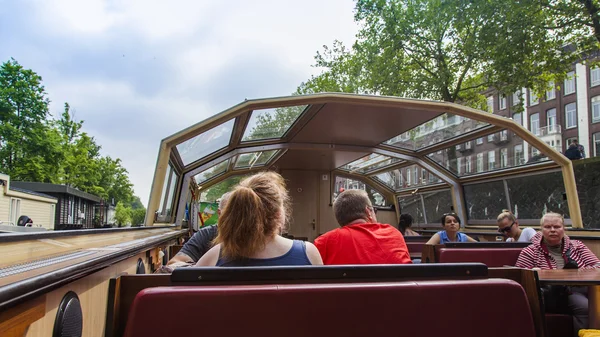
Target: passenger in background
250 224
196 246
361 239
508 225
406 221
552 249
451 225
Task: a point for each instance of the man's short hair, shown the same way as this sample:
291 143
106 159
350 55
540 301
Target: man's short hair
351 205
574 141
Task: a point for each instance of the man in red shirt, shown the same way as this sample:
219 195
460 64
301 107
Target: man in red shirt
360 240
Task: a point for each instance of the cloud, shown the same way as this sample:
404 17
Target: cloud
138 71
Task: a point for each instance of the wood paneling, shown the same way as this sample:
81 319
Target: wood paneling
15 321
93 295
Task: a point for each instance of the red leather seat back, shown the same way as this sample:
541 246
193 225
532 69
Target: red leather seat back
415 247
449 308
492 257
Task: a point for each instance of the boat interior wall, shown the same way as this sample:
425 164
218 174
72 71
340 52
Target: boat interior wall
361 125
93 291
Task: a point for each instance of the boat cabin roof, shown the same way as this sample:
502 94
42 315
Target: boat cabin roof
363 137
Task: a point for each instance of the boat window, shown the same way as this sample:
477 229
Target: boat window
499 151
531 196
216 191
343 183
205 143
271 123
439 129
211 172
407 177
413 205
369 163
486 200
437 203
168 195
254 159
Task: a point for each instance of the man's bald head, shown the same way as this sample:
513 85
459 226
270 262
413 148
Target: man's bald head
223 202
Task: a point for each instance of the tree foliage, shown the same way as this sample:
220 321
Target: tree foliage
448 50
122 214
34 147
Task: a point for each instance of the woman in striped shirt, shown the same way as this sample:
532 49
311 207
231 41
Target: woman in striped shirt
552 249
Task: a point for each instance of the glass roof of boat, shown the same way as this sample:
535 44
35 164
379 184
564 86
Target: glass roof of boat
434 144
441 128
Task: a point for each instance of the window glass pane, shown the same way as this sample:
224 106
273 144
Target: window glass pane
164 189
570 83
407 177
532 196
490 104
596 107
477 159
412 205
534 122
370 163
271 123
595 76
570 115
516 97
485 201
171 194
254 159
550 93
216 191
596 144
436 204
533 99
205 143
436 130
211 172
342 184
517 118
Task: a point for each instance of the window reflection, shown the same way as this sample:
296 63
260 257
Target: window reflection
436 130
205 143
343 183
271 123
211 172
407 177
254 159
370 163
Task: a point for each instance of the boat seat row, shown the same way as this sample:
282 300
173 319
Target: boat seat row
407 308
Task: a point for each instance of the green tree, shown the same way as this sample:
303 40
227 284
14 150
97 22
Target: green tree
137 216
122 214
136 203
29 148
446 50
578 21
217 190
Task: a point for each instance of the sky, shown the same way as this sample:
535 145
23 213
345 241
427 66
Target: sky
137 71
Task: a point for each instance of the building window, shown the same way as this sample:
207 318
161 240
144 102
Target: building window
596 144
416 172
534 152
491 160
517 118
595 76
480 162
423 176
534 122
570 115
15 210
459 164
490 104
479 141
551 120
502 102
550 92
533 99
519 160
408 177
570 83
503 158
490 138
596 108
503 135
516 97
468 164
468 145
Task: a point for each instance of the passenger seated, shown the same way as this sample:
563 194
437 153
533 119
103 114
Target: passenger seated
451 225
406 221
199 243
361 239
508 225
250 224
552 249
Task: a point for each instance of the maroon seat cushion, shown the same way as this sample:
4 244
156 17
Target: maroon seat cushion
492 257
415 247
558 325
449 308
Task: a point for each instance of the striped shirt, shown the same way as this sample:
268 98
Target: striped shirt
536 255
